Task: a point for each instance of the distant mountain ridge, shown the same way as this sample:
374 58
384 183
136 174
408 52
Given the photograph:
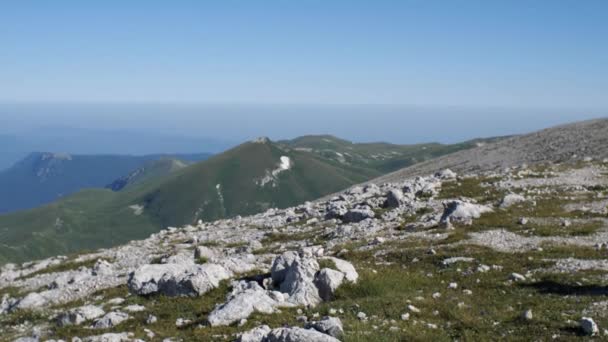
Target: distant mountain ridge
250 178
43 177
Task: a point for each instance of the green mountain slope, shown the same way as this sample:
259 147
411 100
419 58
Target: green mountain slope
248 179
42 178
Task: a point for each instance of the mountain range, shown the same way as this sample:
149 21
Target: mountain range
247 179
44 177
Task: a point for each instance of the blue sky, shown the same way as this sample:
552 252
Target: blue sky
530 54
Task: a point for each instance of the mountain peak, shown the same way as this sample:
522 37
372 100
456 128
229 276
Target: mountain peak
261 140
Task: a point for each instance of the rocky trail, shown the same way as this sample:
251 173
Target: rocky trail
516 253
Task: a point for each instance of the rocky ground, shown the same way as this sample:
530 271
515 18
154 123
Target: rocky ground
514 254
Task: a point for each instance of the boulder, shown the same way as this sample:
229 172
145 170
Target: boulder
462 212
298 335
358 215
205 252
280 266
394 199
79 315
247 298
336 210
446 174
110 320
331 326
109 337
350 273
511 199
177 279
299 282
32 301
327 282
255 335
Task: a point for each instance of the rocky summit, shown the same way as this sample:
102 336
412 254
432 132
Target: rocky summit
517 253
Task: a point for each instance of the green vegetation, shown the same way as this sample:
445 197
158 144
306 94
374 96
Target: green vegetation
223 186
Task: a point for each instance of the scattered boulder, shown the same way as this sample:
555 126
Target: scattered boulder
446 174
110 320
245 299
511 200
358 215
331 326
463 212
255 335
79 315
328 281
298 335
33 301
177 279
394 199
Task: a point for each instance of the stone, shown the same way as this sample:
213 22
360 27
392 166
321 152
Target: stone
79 315
511 200
394 199
33 301
281 264
331 326
255 335
462 212
109 337
413 309
177 279
350 273
527 315
110 320
299 282
362 316
135 308
358 215
151 319
244 301
327 282
516 277
589 326
298 335
204 252
446 174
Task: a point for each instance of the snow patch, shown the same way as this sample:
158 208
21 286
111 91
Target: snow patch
271 177
137 209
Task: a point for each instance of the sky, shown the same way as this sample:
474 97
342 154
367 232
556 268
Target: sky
400 71
495 53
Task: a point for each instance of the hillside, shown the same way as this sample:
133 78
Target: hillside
250 178
515 254
556 144
41 178
381 157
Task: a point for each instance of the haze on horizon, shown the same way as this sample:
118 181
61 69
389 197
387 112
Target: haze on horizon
396 71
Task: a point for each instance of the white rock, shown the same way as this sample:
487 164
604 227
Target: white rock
255 335
298 335
80 315
331 326
327 282
110 320
177 279
245 301
463 212
511 200
517 277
